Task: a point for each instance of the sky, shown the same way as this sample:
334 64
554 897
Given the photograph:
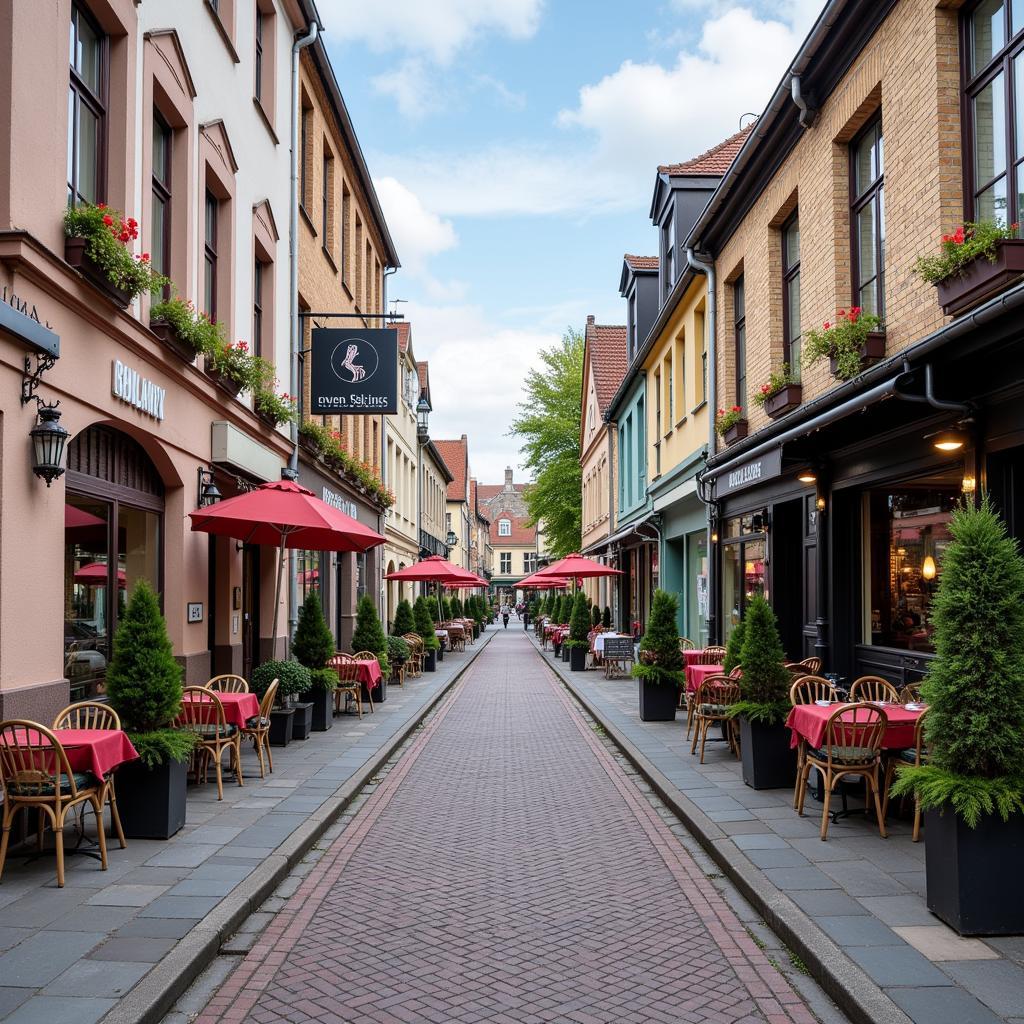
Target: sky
514 146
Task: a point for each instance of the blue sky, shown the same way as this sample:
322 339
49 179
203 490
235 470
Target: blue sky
514 145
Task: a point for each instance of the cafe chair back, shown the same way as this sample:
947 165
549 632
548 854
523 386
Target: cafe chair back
202 714
364 656
711 704
258 730
349 689
874 688
806 690
228 683
685 644
812 666
916 755
35 775
711 656
911 693
415 663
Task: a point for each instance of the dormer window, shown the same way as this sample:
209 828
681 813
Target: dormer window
634 339
668 232
504 528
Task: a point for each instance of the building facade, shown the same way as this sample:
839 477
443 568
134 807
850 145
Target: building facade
458 522
516 544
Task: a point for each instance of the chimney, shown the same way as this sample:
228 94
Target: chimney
508 478
590 320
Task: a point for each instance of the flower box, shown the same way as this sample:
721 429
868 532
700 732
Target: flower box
784 400
224 382
871 351
982 279
75 255
736 432
169 339
269 420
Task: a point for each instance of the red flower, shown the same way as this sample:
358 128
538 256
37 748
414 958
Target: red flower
132 222
124 236
958 236
827 326
144 257
737 408
101 206
107 219
765 388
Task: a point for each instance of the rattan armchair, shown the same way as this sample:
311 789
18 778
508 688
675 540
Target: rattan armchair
228 683
349 688
807 690
415 642
202 714
916 756
258 730
711 656
874 688
712 704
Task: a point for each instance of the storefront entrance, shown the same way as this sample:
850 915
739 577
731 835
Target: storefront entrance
251 656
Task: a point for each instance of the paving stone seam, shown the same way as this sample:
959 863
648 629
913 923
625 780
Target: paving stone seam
854 992
150 1000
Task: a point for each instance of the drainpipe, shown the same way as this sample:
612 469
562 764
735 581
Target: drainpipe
707 267
388 271
610 589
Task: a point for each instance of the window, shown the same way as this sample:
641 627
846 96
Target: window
867 217
791 295
368 299
506 563
504 528
327 200
740 321
306 143
259 269
86 109
529 561
161 213
634 329
657 422
357 284
212 209
258 83
346 206
668 233
669 396
641 449
701 342
994 108
679 368
743 553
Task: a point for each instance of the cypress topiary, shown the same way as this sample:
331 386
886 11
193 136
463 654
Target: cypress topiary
446 609
766 681
579 622
144 680
595 615
404 621
456 608
606 617
424 623
975 685
369 634
662 640
313 643
734 648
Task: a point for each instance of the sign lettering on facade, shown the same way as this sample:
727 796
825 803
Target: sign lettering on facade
137 391
335 500
354 370
748 474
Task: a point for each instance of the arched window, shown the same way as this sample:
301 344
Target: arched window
504 528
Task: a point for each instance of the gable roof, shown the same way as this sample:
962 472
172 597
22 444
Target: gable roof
423 372
641 263
606 346
404 335
488 491
456 458
474 501
522 533
715 161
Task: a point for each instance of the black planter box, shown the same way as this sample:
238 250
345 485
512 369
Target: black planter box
281 726
657 702
169 339
430 660
871 352
322 702
302 720
440 650
151 801
784 400
982 279
379 692
578 659
768 760
736 432
565 652
476 630
75 255
972 874
222 380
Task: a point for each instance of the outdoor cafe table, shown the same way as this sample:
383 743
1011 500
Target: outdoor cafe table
98 751
442 635
696 674
807 721
238 707
692 657
368 672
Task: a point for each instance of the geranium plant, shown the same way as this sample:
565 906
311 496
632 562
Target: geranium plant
841 340
279 407
726 420
192 326
961 248
108 237
776 382
237 363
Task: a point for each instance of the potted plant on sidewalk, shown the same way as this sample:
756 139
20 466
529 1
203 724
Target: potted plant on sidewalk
293 679
660 668
781 394
369 636
144 688
579 630
425 628
312 646
734 647
606 618
404 622
852 342
768 760
972 787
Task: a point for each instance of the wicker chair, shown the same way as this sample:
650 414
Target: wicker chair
812 666
258 730
711 656
874 688
228 683
853 746
686 644
203 715
415 642
911 693
35 775
90 714
711 705
349 688
916 755
807 690
366 656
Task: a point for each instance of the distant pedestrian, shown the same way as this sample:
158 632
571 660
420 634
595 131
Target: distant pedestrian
505 613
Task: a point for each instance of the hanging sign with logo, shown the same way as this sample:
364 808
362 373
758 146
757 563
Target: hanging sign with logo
354 371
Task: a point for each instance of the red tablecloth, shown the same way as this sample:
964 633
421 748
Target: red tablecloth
692 657
696 674
238 707
808 721
98 751
369 673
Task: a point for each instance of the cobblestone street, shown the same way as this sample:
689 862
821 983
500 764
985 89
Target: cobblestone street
507 870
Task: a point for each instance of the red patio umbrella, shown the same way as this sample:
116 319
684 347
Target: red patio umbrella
538 582
576 567
283 514
95 574
436 569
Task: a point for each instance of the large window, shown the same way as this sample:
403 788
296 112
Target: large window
506 563
308 565
867 217
161 214
529 561
211 208
791 295
743 548
86 108
504 528
740 327
701 344
258 56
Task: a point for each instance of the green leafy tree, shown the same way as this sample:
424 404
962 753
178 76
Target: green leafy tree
595 616
369 634
606 617
313 643
144 680
579 622
766 681
734 648
548 424
424 623
662 640
975 685
404 621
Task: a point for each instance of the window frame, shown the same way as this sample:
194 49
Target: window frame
210 252
668 245
873 194
790 273
505 563
162 190
78 92
258 55
504 527
259 269
739 318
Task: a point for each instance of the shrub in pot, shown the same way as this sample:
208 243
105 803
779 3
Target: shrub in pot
398 651
144 688
660 669
768 760
579 629
972 787
595 616
293 679
734 647
425 628
369 635
404 620
312 646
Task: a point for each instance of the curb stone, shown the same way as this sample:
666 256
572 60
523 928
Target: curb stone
851 988
155 995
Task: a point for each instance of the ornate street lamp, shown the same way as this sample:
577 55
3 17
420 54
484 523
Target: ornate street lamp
48 441
209 493
422 420
451 540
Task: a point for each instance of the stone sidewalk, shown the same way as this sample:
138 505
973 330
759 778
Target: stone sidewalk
856 898
127 941
528 880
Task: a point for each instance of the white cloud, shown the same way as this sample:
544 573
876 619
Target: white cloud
410 86
438 28
510 99
419 234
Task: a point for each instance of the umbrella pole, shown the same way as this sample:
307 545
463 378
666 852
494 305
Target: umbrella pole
277 591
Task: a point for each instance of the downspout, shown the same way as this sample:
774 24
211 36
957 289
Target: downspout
388 271
610 589
707 267
292 471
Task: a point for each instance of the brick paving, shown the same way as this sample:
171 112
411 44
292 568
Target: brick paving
507 870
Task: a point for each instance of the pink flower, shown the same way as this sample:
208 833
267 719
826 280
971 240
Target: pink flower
827 326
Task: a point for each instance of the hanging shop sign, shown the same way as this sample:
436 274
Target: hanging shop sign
131 387
19 316
749 474
354 371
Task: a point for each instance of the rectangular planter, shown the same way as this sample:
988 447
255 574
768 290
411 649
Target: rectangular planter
768 760
302 720
736 432
281 726
151 801
565 652
972 874
380 692
578 659
783 401
982 279
74 254
657 702
430 660
871 352
225 383
322 702
170 340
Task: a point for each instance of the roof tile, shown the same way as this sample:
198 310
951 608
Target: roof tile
715 161
607 346
522 532
456 458
641 262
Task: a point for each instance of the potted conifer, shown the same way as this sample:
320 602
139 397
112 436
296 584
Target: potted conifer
404 620
425 628
734 647
579 629
144 688
312 646
606 618
972 787
768 760
369 636
595 616
660 668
